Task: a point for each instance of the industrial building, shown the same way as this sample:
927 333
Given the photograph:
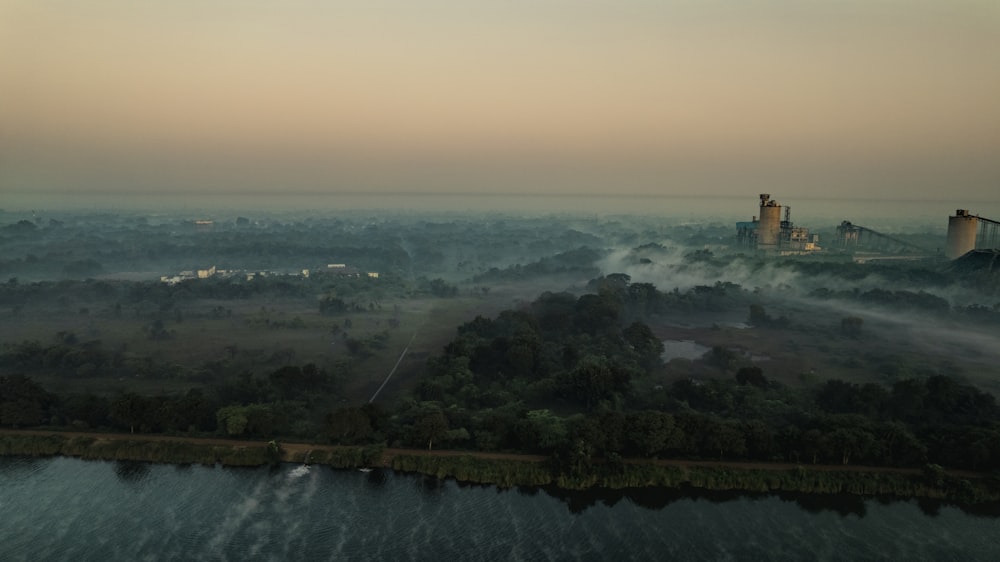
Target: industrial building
772 232
961 234
967 232
868 244
773 235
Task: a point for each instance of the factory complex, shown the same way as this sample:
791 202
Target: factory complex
771 232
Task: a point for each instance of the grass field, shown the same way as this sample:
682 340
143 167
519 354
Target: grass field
261 334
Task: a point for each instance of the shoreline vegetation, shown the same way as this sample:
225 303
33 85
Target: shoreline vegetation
512 470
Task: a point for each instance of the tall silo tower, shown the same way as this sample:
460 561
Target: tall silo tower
769 227
961 234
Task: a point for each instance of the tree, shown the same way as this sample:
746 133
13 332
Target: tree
331 305
652 433
349 426
431 427
837 396
811 443
597 314
88 409
753 376
440 288
907 399
129 409
726 437
595 379
549 429
900 447
645 343
759 439
850 442
642 299
521 358
232 420
20 412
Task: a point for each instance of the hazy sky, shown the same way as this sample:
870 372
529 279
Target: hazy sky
860 98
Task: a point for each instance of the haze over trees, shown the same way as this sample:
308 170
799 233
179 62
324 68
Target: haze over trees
551 335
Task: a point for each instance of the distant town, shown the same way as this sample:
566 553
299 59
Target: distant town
338 269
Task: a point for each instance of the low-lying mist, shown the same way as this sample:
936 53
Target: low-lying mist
843 289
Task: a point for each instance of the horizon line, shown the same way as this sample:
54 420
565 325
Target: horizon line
313 193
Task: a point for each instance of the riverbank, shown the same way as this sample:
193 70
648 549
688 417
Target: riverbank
509 470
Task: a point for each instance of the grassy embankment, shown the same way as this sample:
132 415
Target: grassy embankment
512 470
930 483
182 451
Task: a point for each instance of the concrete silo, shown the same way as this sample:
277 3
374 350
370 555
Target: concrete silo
961 234
769 227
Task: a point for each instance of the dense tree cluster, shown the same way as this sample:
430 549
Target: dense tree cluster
503 380
282 403
560 348
579 261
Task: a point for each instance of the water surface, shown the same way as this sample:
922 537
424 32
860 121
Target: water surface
67 509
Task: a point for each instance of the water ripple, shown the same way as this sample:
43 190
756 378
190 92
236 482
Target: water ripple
66 509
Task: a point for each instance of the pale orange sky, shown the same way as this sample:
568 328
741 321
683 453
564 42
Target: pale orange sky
872 97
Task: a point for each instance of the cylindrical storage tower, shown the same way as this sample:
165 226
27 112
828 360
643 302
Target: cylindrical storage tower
961 234
769 227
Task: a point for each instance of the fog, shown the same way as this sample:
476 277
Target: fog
888 215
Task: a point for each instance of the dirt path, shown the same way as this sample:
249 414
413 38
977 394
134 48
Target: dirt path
298 450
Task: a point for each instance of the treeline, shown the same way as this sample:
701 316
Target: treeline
70 357
127 294
914 301
181 452
82 245
76 251
897 300
287 402
916 423
579 261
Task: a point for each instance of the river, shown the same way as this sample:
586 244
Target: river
68 509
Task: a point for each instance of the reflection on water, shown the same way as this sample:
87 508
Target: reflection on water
199 512
131 472
19 467
376 478
656 499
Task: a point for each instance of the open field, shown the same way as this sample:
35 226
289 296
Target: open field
257 334
814 349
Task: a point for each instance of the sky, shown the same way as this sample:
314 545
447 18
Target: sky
879 99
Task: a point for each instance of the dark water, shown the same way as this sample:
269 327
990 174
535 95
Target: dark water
67 509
